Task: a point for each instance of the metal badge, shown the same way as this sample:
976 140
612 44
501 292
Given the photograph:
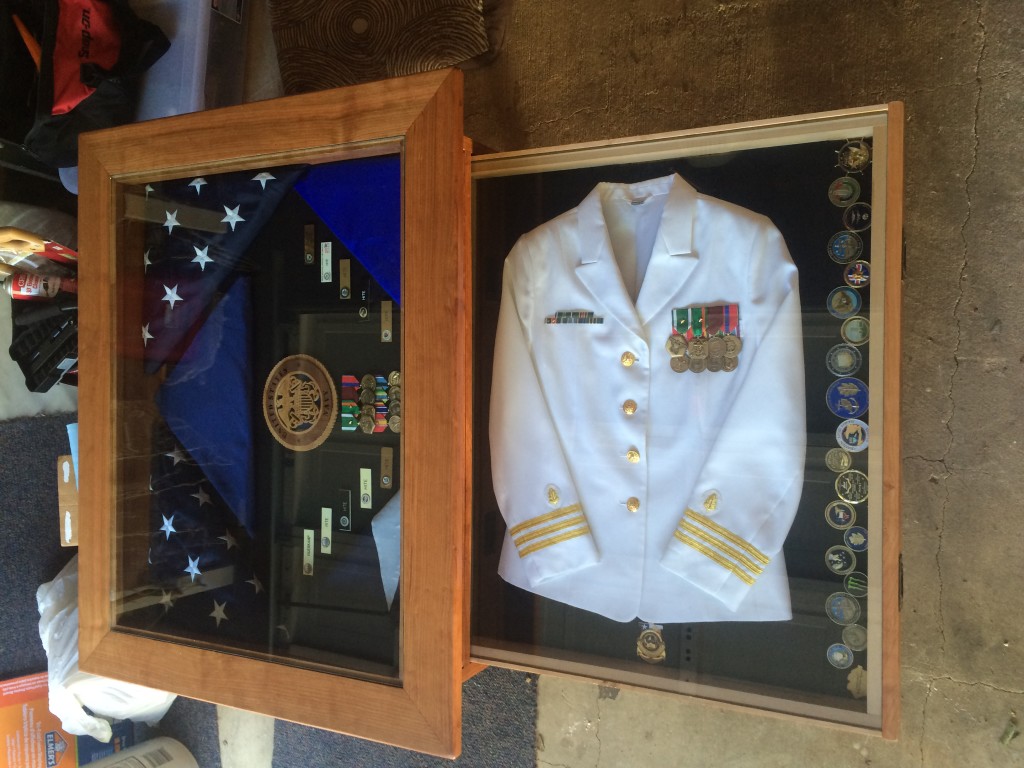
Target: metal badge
857 274
838 459
852 486
840 559
845 247
842 608
857 217
697 364
852 435
840 514
843 302
856 330
844 192
733 346
676 345
698 349
300 403
650 645
854 156
716 346
730 364
843 360
855 637
839 656
715 364
395 379
679 364
847 397
856 538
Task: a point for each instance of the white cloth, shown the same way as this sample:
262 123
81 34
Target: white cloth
560 435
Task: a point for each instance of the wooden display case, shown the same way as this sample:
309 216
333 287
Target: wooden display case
220 253
822 642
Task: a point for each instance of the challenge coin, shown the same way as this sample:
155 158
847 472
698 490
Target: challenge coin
840 514
845 247
839 656
840 559
857 217
856 584
852 435
847 397
842 608
838 459
856 330
843 192
857 274
856 538
852 486
855 637
843 360
854 156
843 302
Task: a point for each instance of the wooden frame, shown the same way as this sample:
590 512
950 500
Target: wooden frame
422 117
884 126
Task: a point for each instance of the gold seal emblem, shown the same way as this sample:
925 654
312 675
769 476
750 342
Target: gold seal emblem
650 646
300 403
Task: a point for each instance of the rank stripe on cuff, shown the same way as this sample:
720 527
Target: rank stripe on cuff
726 549
554 528
554 540
553 515
708 552
725 533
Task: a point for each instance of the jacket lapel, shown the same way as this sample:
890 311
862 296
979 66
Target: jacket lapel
673 258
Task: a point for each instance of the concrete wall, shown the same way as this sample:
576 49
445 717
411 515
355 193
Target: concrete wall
584 70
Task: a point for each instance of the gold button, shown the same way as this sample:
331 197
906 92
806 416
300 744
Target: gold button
627 359
633 455
632 503
629 407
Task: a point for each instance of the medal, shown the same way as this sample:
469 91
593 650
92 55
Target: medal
840 656
857 274
730 364
698 349
679 364
840 514
854 156
847 397
845 246
843 359
838 459
857 217
842 608
855 637
715 364
855 330
852 435
697 364
840 559
843 302
676 345
844 192
852 486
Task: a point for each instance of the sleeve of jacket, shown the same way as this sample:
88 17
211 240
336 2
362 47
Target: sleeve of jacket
751 481
533 482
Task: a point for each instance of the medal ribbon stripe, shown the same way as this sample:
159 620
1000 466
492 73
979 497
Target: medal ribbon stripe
553 515
725 533
727 549
708 552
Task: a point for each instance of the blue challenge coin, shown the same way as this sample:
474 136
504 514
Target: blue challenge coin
840 656
856 538
845 247
843 302
847 398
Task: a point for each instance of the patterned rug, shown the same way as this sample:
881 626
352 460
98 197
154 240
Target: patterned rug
330 43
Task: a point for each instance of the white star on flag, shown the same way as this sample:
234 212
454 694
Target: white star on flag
146 263
149 188
218 612
263 178
202 497
171 295
197 183
255 583
172 221
176 454
228 539
193 568
201 258
168 527
232 217
146 335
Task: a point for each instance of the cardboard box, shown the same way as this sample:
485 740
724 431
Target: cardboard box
32 736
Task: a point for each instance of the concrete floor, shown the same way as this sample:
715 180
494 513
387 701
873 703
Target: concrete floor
576 71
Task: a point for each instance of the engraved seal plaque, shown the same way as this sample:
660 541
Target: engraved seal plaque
300 402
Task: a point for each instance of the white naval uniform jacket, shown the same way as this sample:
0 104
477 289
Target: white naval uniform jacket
721 454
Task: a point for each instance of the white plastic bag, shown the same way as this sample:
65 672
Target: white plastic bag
71 689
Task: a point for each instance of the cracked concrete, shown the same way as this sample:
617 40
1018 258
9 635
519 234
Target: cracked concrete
580 71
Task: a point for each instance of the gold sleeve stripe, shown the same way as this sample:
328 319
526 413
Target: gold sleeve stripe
728 565
553 515
554 540
725 533
732 552
553 528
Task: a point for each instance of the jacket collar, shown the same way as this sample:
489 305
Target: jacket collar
666 271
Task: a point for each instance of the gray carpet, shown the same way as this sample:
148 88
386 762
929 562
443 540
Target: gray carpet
29 539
